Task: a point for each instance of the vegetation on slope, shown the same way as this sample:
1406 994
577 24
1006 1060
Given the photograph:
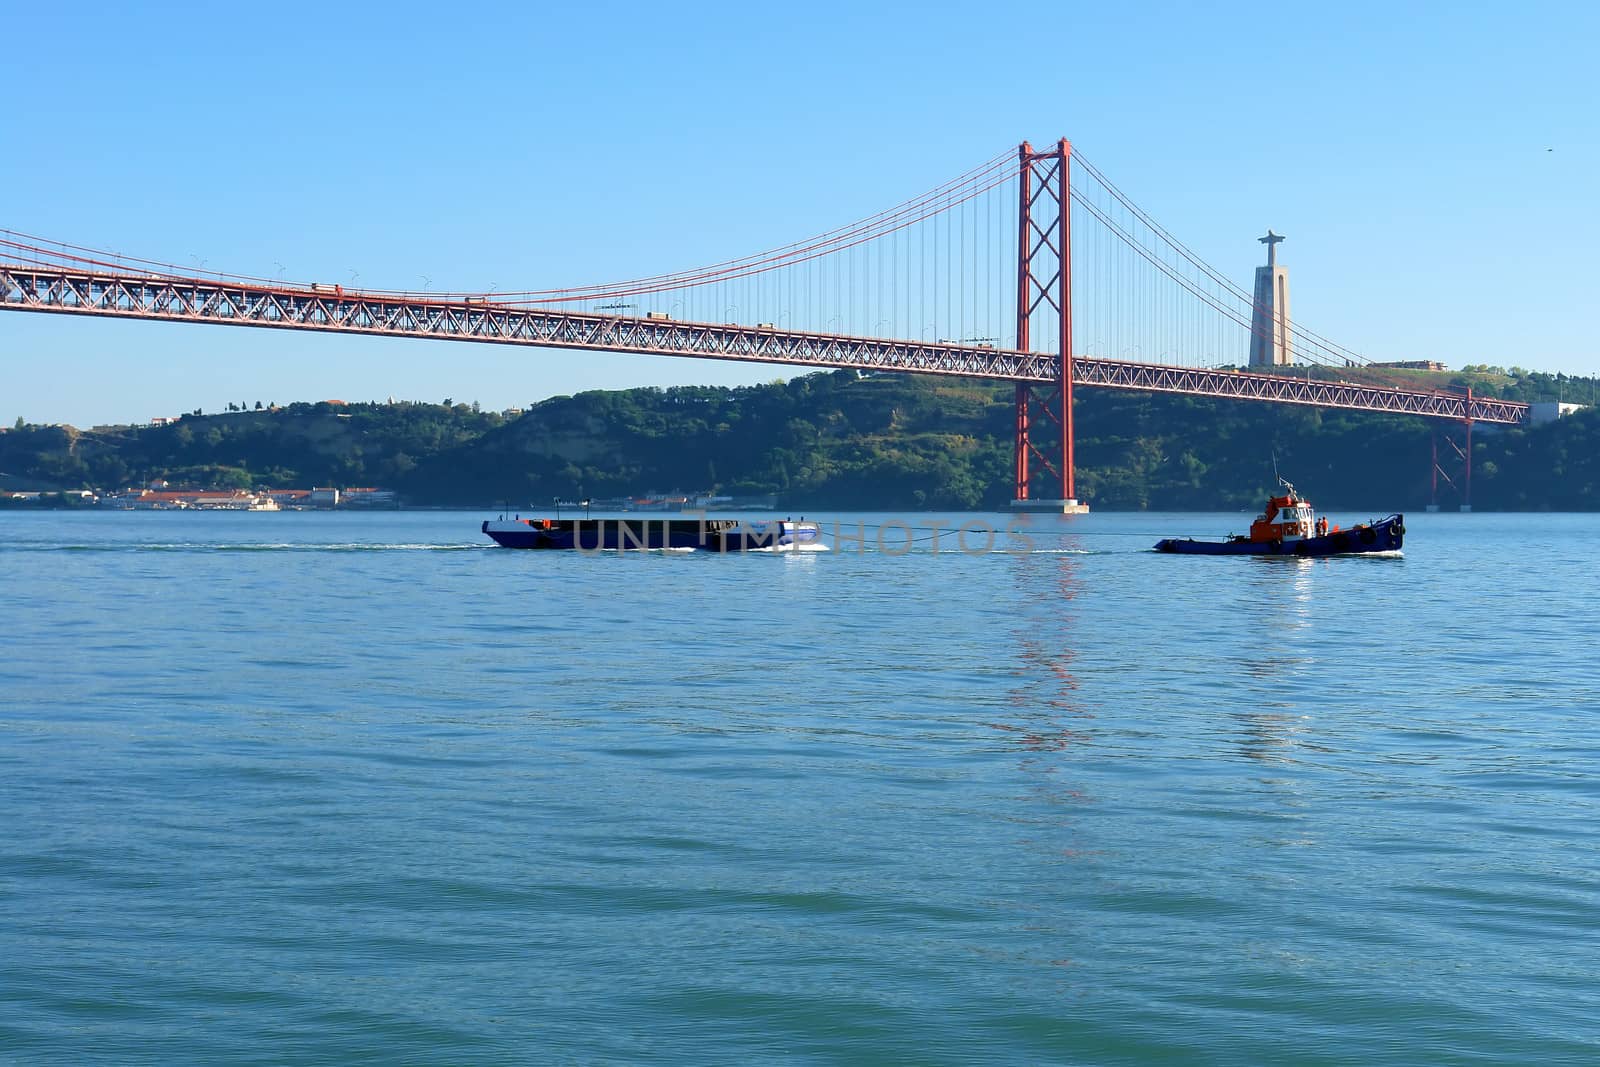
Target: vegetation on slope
835 440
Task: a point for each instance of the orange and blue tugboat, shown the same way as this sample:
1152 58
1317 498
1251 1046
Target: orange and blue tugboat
1288 527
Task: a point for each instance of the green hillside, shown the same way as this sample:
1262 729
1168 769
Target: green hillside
837 440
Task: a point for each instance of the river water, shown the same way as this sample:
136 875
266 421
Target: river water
327 788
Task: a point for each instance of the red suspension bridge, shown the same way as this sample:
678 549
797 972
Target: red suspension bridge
1031 268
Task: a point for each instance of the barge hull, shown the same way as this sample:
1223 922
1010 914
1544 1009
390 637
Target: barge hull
703 535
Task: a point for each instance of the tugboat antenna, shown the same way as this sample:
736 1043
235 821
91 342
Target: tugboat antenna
1278 477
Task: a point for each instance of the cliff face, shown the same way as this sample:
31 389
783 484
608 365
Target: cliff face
824 440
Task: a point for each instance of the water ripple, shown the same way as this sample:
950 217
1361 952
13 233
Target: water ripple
346 789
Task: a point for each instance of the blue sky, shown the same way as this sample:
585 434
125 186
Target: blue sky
1434 166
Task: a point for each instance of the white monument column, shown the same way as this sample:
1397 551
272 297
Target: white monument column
1270 345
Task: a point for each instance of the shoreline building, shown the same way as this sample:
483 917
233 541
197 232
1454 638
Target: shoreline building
1270 344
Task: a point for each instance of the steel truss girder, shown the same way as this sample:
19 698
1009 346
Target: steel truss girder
137 297
1282 389
126 296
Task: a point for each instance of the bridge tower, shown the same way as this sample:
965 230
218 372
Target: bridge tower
1043 448
1270 345
1463 462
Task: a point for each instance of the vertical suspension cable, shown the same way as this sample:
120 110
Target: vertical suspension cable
961 287
948 275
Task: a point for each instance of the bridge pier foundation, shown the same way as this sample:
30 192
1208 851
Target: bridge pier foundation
1051 507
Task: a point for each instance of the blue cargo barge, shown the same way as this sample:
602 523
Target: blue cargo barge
700 535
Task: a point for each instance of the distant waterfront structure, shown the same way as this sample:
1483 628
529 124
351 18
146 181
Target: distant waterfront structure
1270 345
1550 411
1412 364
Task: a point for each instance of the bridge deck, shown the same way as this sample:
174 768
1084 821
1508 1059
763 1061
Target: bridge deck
133 296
